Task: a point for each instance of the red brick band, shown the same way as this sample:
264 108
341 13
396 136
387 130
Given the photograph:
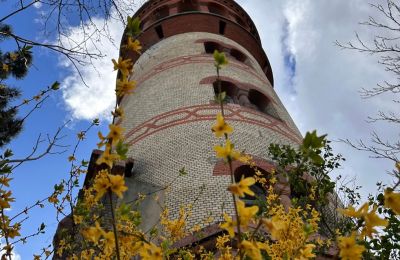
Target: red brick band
207 112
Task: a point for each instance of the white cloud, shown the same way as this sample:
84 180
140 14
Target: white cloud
324 92
98 97
14 253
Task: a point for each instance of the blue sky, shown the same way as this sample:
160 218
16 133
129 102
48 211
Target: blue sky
317 82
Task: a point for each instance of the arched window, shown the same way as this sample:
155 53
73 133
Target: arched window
161 12
216 9
188 6
211 46
259 190
230 90
238 55
262 103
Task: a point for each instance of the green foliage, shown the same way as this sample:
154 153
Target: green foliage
122 149
307 168
219 59
16 64
10 125
133 27
387 244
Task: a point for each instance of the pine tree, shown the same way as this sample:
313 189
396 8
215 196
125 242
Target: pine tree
12 64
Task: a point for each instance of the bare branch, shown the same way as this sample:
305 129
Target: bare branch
33 156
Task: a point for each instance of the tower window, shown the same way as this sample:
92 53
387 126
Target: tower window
222 26
238 55
262 103
210 47
216 9
161 12
159 31
187 6
230 90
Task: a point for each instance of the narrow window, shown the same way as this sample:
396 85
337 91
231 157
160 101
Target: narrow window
216 9
159 31
230 90
222 26
262 103
188 6
238 55
210 47
161 12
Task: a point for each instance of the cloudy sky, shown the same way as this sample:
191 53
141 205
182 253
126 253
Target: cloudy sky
317 81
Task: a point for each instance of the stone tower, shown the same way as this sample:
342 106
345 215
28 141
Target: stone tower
169 117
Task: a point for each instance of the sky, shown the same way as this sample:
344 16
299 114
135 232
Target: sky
317 81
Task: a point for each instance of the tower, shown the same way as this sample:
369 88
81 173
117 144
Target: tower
169 117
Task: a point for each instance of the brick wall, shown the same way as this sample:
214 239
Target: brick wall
168 122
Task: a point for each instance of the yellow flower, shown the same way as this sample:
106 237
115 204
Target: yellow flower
150 252
196 228
71 158
275 226
221 128
245 214
372 220
242 187
117 184
398 166
228 225
221 241
78 219
107 158
5 67
227 152
5 198
93 234
124 87
351 211
5 181
349 250
392 201
109 242
125 66
115 133
251 250
101 184
133 45
14 56
306 252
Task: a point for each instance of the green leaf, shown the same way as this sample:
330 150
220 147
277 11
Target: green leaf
96 121
133 26
121 149
219 58
182 172
8 153
55 86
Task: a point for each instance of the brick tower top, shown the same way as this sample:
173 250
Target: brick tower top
164 18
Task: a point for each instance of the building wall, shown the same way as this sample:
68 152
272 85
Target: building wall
169 118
